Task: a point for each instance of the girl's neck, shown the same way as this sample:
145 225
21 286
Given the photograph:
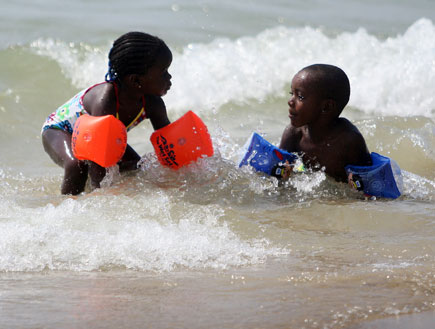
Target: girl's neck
127 96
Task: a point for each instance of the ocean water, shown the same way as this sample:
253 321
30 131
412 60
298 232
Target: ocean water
213 245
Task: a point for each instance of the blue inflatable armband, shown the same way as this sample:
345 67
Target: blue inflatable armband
263 156
382 179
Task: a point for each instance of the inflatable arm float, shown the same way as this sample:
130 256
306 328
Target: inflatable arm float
182 142
264 156
101 139
382 179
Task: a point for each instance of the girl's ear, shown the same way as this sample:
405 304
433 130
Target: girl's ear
133 81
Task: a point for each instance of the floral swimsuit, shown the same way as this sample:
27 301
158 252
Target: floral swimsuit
66 115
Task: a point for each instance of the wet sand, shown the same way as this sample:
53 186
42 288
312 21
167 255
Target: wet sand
230 299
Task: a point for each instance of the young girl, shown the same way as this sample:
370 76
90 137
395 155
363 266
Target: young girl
137 79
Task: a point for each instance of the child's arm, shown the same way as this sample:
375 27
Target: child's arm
129 160
290 139
357 153
156 112
348 147
289 143
96 174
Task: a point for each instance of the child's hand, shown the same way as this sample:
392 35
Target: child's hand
350 180
282 170
355 182
288 169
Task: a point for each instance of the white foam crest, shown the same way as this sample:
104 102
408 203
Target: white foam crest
101 231
418 187
385 75
395 76
307 182
83 64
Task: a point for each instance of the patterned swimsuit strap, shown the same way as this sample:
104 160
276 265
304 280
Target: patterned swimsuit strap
117 99
117 106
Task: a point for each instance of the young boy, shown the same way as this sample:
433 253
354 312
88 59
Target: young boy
319 93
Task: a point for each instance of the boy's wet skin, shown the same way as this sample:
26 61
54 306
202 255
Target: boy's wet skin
318 95
304 103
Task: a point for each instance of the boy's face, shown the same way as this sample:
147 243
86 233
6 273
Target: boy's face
305 103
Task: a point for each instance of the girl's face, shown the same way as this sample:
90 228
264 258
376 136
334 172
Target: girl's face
305 103
157 80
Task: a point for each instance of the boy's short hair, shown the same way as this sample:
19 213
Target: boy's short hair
333 82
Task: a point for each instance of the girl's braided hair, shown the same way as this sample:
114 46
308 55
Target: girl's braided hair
133 53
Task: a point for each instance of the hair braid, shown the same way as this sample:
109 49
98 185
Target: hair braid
133 53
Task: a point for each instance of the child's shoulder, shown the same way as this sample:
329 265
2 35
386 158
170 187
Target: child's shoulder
104 91
100 99
345 128
352 143
290 138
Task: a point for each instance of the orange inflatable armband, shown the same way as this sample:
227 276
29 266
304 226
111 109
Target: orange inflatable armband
182 142
102 140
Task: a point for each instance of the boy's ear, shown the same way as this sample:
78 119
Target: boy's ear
329 106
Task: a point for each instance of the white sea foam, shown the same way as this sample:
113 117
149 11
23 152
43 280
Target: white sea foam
393 76
81 63
107 231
